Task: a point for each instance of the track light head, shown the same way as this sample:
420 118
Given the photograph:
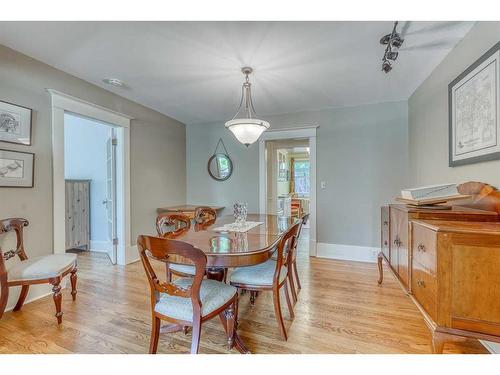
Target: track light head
397 41
385 39
391 55
386 67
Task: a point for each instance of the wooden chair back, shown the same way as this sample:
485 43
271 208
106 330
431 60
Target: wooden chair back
170 225
171 251
285 250
8 225
205 215
484 196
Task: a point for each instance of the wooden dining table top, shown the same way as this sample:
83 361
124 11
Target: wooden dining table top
234 249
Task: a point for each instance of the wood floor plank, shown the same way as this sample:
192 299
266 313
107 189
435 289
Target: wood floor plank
341 309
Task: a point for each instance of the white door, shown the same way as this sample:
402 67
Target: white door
110 200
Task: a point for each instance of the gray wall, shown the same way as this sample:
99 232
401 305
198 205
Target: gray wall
362 154
158 153
428 116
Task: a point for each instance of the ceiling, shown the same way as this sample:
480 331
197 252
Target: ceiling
191 70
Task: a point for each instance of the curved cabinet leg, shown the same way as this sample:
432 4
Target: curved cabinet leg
56 289
380 268
440 338
22 297
73 279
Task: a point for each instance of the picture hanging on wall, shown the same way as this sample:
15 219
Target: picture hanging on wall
16 168
15 124
474 107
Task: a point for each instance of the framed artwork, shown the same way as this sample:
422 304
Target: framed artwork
16 168
15 124
474 107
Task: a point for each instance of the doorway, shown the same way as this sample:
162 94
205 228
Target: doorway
287 176
123 251
90 171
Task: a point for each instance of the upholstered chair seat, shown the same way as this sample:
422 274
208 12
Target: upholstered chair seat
260 274
183 269
48 269
43 267
213 295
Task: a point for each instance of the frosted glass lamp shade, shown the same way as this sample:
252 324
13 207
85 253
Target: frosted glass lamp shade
247 130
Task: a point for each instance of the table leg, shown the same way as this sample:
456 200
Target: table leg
216 273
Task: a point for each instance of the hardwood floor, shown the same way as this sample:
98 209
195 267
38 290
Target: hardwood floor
341 309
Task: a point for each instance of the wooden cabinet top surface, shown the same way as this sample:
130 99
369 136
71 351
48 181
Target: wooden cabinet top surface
454 211
491 228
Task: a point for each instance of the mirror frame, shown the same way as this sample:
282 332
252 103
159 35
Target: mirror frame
230 166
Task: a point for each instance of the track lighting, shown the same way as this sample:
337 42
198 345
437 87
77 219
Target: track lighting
386 67
391 55
392 40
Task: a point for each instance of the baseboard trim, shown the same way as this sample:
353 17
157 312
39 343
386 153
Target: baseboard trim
347 252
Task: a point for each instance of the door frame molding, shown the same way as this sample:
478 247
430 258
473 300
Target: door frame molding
308 132
62 103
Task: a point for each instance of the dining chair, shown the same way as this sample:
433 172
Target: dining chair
205 215
293 260
46 269
171 225
271 275
186 301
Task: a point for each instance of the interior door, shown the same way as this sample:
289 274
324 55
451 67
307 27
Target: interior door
110 200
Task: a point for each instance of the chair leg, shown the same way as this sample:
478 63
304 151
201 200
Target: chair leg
230 324
288 301
277 312
56 289
4 293
299 287
292 287
253 294
155 335
195 341
168 273
22 297
73 279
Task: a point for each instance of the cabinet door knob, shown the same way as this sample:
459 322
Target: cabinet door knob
421 247
420 283
385 243
386 222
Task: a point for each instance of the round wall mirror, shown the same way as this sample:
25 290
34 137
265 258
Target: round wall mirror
220 167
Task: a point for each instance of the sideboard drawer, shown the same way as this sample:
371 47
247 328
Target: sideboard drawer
424 241
424 288
385 232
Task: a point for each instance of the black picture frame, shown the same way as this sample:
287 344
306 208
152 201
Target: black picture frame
29 143
451 85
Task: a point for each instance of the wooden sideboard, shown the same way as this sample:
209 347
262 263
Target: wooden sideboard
448 262
186 209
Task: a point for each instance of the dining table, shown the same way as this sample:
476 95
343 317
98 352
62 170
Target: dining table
227 248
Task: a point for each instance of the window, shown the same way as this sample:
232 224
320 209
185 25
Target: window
301 170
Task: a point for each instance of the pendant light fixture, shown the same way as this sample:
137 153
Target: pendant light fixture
244 125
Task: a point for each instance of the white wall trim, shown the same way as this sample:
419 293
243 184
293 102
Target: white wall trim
62 103
276 134
347 252
13 302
